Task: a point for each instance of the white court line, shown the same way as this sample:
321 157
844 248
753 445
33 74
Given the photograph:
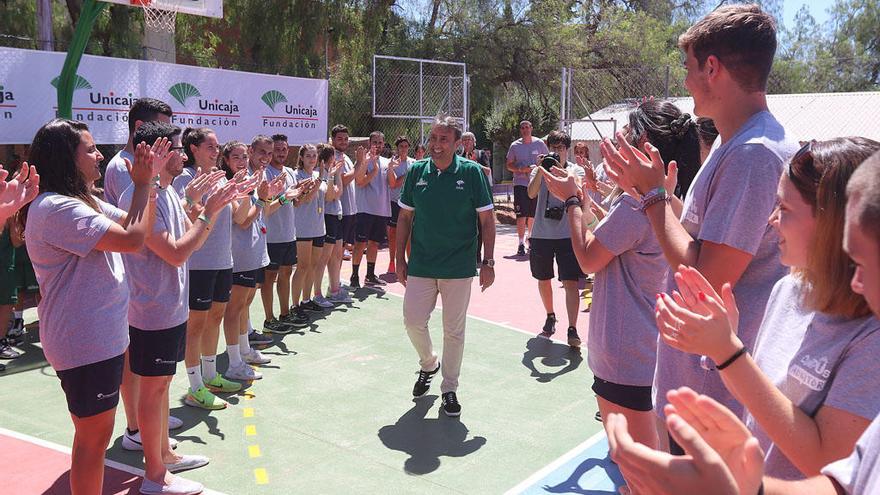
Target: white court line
66 450
553 466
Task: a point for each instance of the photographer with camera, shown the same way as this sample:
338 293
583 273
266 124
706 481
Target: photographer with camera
551 238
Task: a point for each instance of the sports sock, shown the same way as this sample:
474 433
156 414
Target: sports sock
371 269
209 367
251 328
195 377
234 353
355 269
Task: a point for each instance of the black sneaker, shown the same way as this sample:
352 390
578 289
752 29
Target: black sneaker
424 382
521 251
276 326
297 318
355 282
7 351
374 280
311 306
573 339
549 327
257 338
450 404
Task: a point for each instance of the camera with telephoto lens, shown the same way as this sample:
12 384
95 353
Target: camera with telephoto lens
551 160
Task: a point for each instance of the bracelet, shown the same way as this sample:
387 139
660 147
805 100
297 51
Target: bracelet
189 201
732 359
205 219
592 225
572 201
283 200
653 197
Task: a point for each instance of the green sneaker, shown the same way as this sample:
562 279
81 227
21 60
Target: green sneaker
220 384
204 399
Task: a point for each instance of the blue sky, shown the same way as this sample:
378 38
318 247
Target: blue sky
818 8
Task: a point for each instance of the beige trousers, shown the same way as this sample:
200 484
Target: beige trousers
419 301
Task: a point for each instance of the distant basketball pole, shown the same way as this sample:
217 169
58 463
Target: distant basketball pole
90 11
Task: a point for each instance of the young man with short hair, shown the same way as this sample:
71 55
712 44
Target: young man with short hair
441 201
521 159
339 139
551 239
721 229
116 178
374 209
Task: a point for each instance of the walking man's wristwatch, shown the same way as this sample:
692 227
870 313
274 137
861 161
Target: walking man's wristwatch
489 262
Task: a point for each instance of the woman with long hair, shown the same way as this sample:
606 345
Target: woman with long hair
331 175
811 388
74 240
310 230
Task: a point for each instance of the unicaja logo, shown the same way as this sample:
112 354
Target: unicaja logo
79 82
183 91
273 97
5 95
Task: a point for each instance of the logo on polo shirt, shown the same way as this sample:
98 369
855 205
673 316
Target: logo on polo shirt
459 184
421 182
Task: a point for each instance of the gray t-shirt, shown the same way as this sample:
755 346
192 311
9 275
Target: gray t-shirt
547 228
280 225
349 196
310 216
216 252
84 309
859 474
400 171
525 155
332 207
373 197
622 347
816 360
159 291
116 177
729 202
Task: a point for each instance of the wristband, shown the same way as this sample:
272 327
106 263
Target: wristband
572 201
189 201
732 359
592 225
653 197
283 200
205 219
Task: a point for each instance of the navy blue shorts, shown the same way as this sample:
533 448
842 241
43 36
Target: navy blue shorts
93 388
209 286
316 241
250 278
333 226
349 228
281 254
371 227
156 352
395 212
628 396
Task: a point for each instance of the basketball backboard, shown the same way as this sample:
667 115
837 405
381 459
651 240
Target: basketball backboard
209 8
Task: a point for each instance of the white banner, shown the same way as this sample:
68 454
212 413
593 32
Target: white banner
237 105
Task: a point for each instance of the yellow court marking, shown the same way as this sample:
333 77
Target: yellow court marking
261 477
254 451
248 395
248 412
250 430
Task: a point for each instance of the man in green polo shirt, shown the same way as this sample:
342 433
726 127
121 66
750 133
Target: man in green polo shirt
441 201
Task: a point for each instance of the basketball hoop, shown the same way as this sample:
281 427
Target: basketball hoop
159 15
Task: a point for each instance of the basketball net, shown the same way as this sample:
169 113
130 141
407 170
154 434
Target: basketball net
159 16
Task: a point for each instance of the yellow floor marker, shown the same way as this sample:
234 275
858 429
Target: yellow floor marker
248 412
261 477
250 430
248 395
254 451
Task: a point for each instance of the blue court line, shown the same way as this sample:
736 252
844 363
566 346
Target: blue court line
587 470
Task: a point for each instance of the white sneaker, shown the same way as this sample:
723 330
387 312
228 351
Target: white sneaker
187 462
133 441
243 372
178 486
174 423
255 357
322 301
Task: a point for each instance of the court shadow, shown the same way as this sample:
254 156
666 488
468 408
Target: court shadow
116 483
572 483
426 440
560 358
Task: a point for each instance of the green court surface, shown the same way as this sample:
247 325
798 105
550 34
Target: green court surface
334 413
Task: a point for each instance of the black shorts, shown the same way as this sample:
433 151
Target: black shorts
209 286
541 259
281 254
249 278
395 212
349 228
93 388
371 227
523 205
156 352
333 226
628 396
316 241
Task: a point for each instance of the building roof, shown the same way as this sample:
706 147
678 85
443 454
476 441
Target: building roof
807 116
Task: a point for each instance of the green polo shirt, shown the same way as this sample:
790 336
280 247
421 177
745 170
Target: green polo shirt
446 206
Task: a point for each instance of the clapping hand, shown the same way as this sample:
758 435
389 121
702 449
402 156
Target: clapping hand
560 182
161 154
276 186
219 197
21 190
141 171
248 184
335 168
201 184
631 169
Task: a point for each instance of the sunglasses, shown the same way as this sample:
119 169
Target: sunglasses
805 154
